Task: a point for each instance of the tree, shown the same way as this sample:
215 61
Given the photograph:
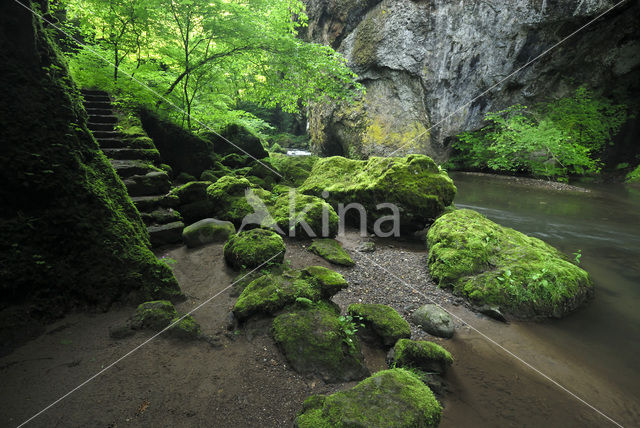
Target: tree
208 56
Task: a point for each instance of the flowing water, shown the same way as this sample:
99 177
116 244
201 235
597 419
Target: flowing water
601 340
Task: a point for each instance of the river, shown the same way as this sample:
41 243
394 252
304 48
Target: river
594 351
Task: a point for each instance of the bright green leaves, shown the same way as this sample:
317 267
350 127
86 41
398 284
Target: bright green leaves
555 139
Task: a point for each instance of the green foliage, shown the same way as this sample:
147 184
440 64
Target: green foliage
555 139
634 176
349 325
209 58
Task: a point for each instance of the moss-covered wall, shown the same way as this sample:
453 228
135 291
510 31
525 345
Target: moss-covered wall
69 234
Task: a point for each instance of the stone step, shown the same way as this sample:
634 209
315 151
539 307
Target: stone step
160 216
106 134
129 168
97 105
112 143
94 98
100 126
126 153
152 183
170 233
103 119
99 112
150 203
93 92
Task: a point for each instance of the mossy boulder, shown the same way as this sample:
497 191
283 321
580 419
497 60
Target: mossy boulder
332 251
227 196
421 354
186 328
311 216
273 292
414 184
154 315
254 248
294 169
497 266
314 341
237 139
389 398
207 231
383 321
235 161
193 191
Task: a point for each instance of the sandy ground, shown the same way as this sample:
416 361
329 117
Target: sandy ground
243 381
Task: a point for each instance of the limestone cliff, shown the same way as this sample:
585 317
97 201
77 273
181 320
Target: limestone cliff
421 61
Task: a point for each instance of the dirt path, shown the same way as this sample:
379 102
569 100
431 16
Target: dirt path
244 381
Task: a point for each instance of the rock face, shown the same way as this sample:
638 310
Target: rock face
422 61
389 398
434 320
497 266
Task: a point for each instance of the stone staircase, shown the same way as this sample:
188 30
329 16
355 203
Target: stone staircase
138 168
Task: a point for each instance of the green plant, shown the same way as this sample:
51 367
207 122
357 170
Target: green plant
554 139
578 256
349 325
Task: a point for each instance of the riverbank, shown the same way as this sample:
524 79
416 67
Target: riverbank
243 380
528 182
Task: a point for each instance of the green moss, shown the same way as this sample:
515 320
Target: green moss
254 248
210 175
313 340
332 251
273 292
235 160
491 264
154 315
308 210
421 354
185 329
389 398
70 235
414 184
383 320
228 197
166 168
330 282
294 169
193 191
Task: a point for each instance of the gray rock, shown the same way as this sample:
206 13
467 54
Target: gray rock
422 61
207 231
434 320
152 183
366 247
492 312
169 233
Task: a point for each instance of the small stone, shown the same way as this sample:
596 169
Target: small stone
366 247
434 320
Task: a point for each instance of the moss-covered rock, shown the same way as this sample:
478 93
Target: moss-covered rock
414 184
193 191
389 398
332 251
154 315
273 292
69 234
186 328
300 216
237 139
314 342
294 169
383 321
254 248
421 354
228 198
495 265
207 231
